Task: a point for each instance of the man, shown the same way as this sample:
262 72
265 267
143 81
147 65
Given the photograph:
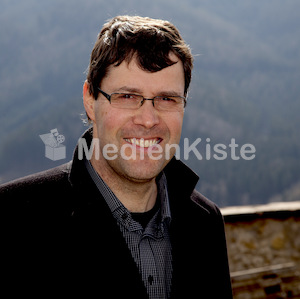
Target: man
122 220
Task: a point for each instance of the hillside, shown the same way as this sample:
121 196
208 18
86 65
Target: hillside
245 86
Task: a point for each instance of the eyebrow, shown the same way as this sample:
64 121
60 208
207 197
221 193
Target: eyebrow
139 91
128 89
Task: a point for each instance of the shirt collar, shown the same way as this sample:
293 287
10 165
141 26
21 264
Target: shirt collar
163 196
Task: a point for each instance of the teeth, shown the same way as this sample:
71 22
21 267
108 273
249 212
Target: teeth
143 143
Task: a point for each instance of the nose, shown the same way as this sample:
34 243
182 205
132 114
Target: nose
146 116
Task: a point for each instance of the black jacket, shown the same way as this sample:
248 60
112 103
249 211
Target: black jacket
59 238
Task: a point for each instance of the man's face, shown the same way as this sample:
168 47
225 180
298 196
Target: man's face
126 128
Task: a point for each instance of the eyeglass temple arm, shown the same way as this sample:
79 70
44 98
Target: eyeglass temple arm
105 94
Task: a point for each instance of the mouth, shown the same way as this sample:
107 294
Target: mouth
141 142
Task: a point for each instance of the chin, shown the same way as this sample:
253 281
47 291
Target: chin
141 171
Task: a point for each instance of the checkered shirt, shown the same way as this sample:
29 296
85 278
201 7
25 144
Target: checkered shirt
150 247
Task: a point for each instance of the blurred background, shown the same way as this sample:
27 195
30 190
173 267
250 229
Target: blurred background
246 86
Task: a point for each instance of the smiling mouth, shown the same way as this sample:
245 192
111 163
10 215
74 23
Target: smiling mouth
141 142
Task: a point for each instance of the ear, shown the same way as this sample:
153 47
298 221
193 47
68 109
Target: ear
88 101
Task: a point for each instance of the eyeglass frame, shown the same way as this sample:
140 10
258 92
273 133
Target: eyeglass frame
108 97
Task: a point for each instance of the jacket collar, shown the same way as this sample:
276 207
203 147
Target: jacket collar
78 173
180 177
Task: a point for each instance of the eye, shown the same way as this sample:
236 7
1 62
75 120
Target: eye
128 96
167 99
124 96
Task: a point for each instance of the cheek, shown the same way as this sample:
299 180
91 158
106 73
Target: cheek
175 127
109 124
104 122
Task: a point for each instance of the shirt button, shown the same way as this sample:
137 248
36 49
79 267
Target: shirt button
124 216
150 279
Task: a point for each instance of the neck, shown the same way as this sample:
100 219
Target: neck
134 195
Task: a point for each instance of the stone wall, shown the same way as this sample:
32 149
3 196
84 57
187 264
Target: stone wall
264 250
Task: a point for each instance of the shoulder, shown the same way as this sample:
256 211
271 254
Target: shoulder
200 210
43 182
204 203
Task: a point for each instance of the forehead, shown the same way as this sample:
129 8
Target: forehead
130 74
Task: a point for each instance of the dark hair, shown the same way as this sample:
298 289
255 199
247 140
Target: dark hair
148 40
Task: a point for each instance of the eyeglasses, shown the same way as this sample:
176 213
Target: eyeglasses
135 101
